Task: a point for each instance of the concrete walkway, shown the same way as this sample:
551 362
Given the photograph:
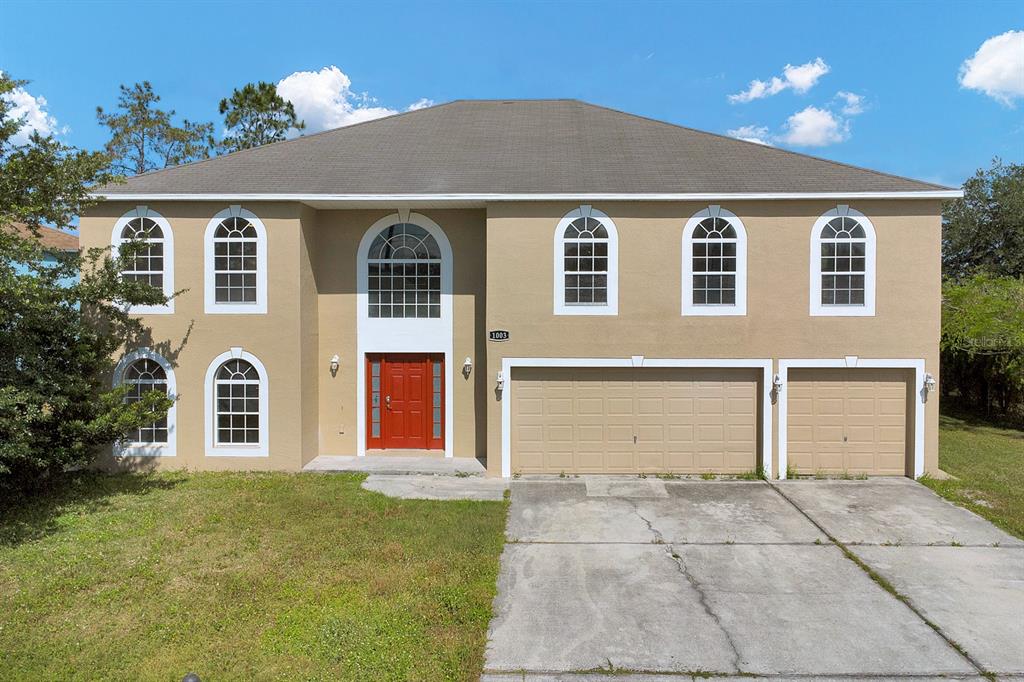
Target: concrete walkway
381 464
614 579
437 487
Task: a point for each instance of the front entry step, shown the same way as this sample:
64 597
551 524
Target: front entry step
382 464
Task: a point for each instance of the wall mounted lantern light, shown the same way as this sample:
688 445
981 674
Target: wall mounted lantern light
467 367
501 381
776 388
335 363
929 385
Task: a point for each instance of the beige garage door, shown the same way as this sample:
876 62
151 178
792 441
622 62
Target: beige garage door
847 420
634 420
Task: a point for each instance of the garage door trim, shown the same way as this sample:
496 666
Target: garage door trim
853 362
637 361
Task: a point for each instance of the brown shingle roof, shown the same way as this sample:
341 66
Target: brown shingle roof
514 147
51 239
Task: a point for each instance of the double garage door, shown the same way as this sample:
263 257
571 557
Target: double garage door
654 420
634 420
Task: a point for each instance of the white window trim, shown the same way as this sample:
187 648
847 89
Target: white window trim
405 334
261 449
168 242
816 307
210 304
170 448
611 307
763 364
852 361
740 306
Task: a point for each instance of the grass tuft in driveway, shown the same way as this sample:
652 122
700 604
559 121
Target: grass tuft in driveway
245 576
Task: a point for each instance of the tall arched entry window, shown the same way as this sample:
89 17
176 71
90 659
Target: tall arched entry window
404 272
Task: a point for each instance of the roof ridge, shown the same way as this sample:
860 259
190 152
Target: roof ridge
763 146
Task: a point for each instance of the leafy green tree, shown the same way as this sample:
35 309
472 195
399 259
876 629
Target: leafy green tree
983 341
144 138
57 342
984 231
257 115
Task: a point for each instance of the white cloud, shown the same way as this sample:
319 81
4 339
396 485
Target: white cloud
797 78
324 99
33 110
758 134
997 68
421 103
853 104
814 127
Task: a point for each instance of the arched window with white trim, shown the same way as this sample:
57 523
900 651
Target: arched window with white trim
842 264
141 372
714 264
236 406
236 263
586 264
404 273
152 261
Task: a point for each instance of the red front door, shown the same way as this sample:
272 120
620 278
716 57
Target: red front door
405 406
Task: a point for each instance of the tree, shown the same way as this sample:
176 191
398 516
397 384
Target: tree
257 115
57 342
143 137
984 231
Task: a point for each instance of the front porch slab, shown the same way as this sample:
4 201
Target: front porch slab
383 464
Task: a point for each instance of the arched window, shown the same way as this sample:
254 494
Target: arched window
236 270
404 273
236 404
586 264
141 372
843 264
152 262
714 264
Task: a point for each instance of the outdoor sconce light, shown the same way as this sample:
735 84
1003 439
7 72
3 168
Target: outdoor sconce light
501 381
335 363
929 385
776 388
467 367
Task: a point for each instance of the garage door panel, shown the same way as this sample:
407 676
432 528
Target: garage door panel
847 420
683 420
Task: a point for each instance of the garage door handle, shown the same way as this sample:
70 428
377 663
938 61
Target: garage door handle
634 439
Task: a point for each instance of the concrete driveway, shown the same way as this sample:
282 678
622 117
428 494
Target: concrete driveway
643 578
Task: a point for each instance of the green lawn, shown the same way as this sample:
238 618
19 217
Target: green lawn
989 465
245 576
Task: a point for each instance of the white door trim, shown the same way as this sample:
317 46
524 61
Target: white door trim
852 361
508 364
405 335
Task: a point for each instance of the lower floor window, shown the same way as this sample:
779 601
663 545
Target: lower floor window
238 403
141 377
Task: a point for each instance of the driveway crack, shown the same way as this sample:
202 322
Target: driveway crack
692 581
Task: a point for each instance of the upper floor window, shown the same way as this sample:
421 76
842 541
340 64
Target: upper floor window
236 269
404 273
843 264
141 372
586 264
714 264
236 406
152 260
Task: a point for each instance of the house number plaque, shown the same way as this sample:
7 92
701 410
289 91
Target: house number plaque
498 335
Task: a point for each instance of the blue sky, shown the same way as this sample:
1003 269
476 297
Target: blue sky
906 110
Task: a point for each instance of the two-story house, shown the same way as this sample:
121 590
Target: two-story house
548 286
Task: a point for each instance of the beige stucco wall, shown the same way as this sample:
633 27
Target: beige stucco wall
338 234
190 339
777 325
503 274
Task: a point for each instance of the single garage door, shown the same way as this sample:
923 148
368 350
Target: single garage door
634 420
848 420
